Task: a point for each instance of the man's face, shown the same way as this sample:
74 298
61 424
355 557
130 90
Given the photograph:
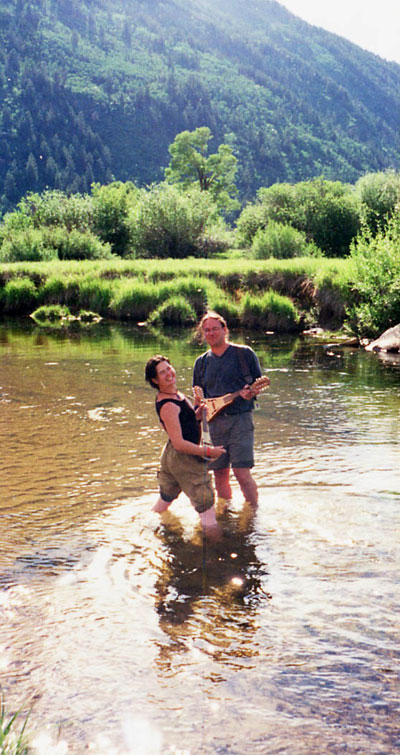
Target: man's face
214 332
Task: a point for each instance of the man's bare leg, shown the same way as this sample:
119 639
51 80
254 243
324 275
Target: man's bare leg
247 485
222 483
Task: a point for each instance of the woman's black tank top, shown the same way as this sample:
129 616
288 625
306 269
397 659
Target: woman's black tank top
187 418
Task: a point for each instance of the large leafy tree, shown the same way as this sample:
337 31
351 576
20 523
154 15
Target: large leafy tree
191 164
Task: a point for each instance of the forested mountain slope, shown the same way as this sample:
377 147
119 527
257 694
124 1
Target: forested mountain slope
98 89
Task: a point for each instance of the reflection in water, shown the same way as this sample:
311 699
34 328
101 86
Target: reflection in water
227 575
129 633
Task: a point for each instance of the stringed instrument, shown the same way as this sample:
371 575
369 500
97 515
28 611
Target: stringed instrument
205 430
215 405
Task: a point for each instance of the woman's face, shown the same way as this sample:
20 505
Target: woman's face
166 377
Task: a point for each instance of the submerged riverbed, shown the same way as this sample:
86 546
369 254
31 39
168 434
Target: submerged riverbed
123 631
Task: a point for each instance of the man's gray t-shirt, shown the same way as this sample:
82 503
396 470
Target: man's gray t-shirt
218 375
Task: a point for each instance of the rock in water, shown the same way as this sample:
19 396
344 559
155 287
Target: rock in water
388 341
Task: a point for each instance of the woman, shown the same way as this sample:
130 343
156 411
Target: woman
183 464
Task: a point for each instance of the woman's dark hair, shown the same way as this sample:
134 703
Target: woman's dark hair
150 371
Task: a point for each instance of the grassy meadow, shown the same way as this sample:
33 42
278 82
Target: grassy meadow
279 295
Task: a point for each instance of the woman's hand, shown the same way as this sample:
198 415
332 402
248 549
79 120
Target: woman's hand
198 410
214 452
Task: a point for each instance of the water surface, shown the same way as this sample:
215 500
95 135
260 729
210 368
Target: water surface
125 631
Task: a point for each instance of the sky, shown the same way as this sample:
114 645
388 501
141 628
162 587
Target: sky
373 25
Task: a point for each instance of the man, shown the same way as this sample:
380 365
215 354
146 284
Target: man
226 368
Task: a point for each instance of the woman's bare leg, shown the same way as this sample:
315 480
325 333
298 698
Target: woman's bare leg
161 505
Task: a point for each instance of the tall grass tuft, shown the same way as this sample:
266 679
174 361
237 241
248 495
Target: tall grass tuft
134 299
226 306
176 310
60 289
95 294
20 296
271 311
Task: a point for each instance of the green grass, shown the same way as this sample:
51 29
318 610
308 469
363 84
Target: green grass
136 289
271 311
12 732
175 311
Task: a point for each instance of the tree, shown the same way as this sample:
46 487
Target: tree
214 173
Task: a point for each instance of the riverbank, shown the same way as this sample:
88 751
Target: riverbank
279 295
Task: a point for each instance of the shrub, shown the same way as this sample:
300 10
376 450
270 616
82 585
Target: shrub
55 208
27 245
271 311
176 310
76 245
111 206
280 241
379 194
168 223
328 212
20 296
376 304
213 244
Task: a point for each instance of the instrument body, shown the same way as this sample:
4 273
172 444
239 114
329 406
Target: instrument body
215 405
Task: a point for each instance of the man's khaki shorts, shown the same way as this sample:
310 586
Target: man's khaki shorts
185 473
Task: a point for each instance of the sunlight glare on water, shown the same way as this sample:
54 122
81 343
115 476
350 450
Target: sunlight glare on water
129 634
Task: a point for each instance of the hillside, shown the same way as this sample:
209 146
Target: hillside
96 90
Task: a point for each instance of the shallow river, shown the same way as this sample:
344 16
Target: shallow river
123 631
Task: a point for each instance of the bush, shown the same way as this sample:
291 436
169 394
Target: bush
281 241
379 194
26 246
76 245
55 208
168 223
271 311
112 205
20 296
376 305
328 212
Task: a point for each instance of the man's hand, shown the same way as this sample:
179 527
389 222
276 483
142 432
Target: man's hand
251 391
247 392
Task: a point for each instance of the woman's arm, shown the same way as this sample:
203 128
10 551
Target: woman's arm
170 416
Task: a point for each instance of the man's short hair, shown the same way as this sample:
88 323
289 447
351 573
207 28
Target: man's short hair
215 316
